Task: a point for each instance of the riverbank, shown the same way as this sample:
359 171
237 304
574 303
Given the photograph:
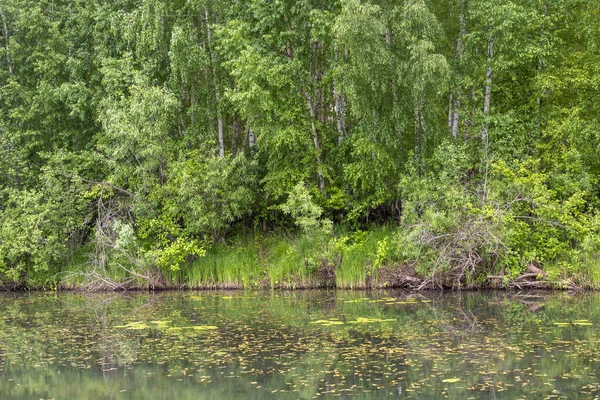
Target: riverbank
348 260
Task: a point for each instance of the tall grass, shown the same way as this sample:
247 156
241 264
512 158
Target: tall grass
251 262
256 261
235 265
358 267
285 265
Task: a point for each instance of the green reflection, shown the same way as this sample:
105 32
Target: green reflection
299 345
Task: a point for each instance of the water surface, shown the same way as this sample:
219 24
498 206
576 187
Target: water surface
302 345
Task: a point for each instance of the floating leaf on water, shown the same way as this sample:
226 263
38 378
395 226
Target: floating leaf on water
327 322
451 380
362 320
581 322
133 325
204 327
161 323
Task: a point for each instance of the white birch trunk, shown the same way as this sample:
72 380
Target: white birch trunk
220 124
388 41
459 54
221 138
340 112
420 132
450 112
6 41
538 100
487 101
316 143
251 139
456 116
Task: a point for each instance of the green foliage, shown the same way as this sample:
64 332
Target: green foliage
38 229
212 193
546 217
174 255
316 232
306 214
144 132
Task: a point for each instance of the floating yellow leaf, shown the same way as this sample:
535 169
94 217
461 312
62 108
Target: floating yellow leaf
204 327
133 326
451 380
362 320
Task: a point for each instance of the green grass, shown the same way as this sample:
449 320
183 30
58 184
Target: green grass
251 262
280 261
222 264
359 259
284 264
255 261
589 271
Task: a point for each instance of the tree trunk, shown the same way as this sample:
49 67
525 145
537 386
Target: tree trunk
213 61
456 116
235 135
317 144
340 112
487 101
450 112
538 100
221 136
340 107
459 54
538 104
6 41
251 139
420 134
388 41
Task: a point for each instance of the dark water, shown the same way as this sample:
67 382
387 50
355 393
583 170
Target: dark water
304 345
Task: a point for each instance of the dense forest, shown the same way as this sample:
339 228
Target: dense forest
355 143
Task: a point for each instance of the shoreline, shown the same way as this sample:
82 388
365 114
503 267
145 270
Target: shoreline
294 263
293 286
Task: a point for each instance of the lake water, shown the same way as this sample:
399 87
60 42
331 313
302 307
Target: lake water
301 345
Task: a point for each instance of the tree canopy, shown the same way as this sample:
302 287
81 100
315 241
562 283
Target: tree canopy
146 131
